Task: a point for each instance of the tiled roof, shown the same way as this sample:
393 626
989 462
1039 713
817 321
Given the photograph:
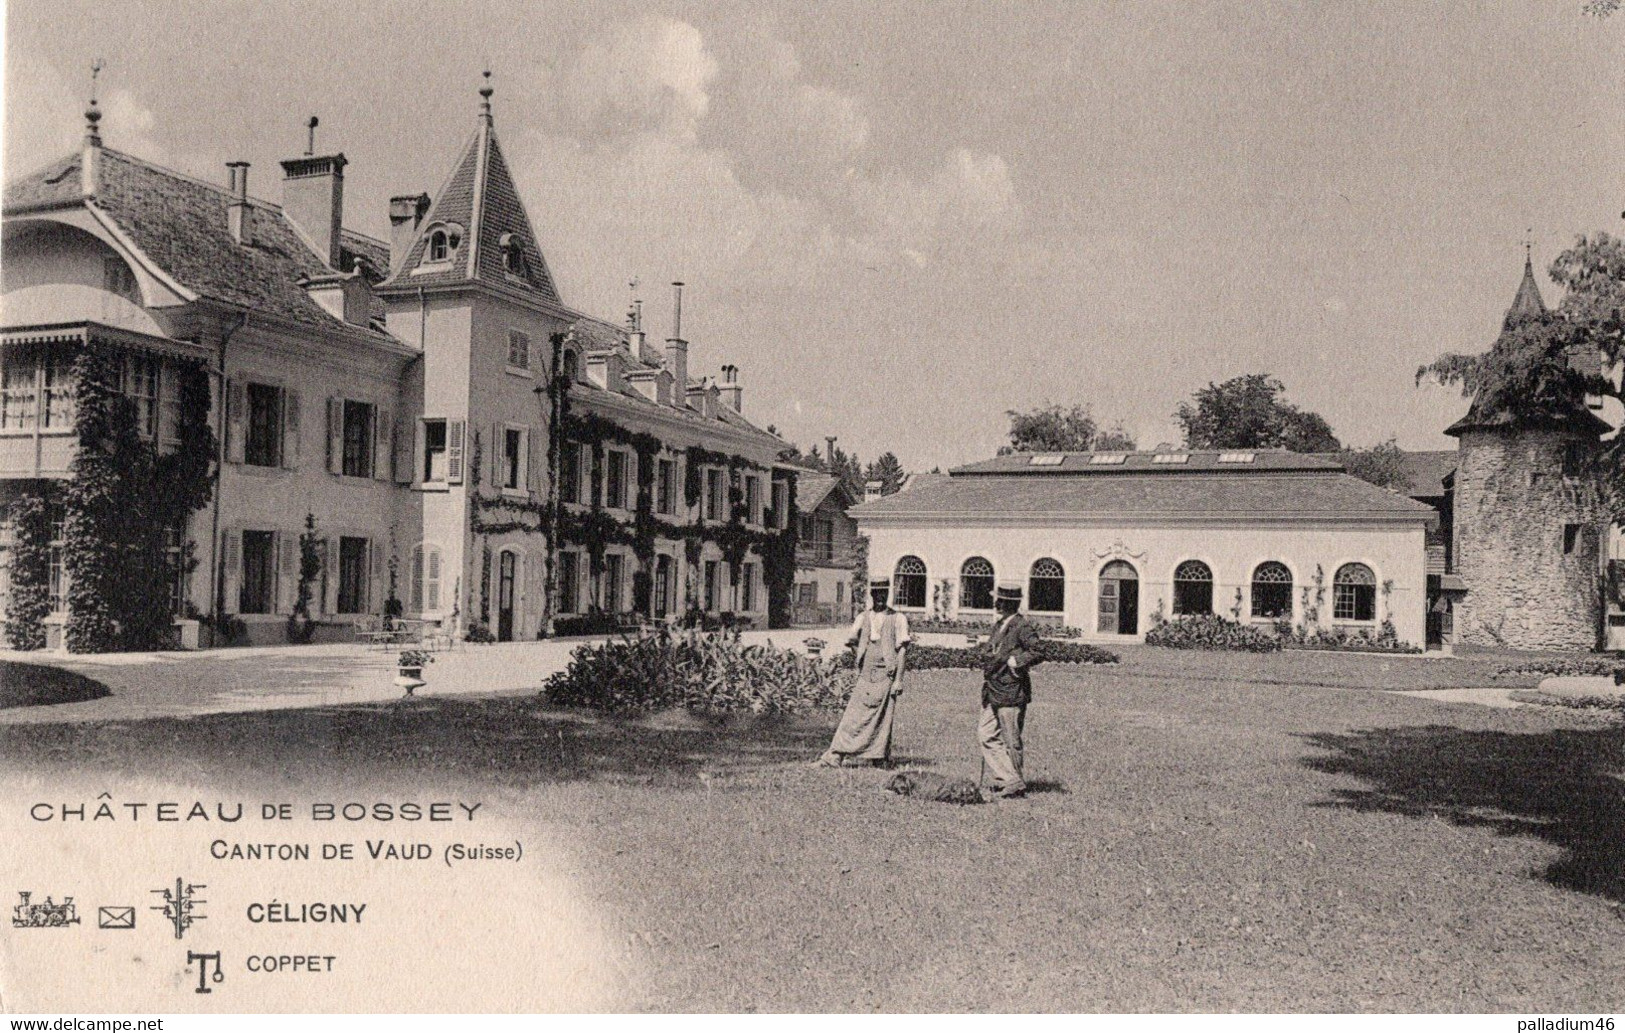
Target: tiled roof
181 224
812 489
1425 473
481 199
1071 463
1526 303
1328 495
596 335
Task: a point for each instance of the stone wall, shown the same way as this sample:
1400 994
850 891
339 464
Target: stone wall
1512 504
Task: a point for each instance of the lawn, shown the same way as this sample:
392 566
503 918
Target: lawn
33 685
1210 833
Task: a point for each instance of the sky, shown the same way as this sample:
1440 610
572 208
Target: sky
903 219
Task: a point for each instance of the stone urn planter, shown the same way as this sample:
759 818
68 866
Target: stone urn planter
815 647
410 667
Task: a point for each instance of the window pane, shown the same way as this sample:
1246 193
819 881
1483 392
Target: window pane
358 452
264 445
259 573
352 575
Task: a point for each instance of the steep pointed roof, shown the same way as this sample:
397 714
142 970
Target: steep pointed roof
479 201
1527 303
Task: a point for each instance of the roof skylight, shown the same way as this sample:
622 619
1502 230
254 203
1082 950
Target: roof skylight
1171 457
1108 458
1237 457
1046 460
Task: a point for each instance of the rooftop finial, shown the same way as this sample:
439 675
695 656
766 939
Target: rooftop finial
485 97
310 138
1528 246
93 113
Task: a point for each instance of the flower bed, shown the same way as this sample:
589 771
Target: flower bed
1209 631
938 626
930 658
1567 667
700 672
1350 641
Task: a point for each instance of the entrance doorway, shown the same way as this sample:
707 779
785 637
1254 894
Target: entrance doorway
1119 600
506 562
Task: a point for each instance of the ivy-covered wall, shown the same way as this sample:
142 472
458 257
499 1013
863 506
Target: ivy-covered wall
123 496
30 600
594 530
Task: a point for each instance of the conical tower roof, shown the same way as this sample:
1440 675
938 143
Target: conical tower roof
480 205
1527 303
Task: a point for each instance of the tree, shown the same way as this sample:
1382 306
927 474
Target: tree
1248 412
1540 368
1057 428
888 471
1382 464
848 469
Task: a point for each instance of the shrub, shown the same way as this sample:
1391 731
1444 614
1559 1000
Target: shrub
934 658
940 626
1566 667
1353 640
587 624
478 632
1210 631
709 673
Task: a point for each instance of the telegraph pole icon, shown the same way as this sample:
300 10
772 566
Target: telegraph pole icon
203 962
180 908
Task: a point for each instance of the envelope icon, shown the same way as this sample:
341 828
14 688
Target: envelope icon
115 917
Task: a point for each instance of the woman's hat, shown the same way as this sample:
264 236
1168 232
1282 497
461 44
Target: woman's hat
1009 592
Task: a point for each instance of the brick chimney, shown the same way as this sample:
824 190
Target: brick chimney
873 490
677 351
239 217
406 214
313 198
731 393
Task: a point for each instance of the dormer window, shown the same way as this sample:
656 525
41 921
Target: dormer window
513 254
572 367
443 243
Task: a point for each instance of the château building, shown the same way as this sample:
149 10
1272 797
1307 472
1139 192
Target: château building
248 410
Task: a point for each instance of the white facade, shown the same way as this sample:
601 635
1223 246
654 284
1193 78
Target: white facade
1231 550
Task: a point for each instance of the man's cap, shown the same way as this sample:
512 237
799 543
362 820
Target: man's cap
1009 592
879 582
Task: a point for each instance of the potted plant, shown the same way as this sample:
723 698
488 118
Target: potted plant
410 665
815 647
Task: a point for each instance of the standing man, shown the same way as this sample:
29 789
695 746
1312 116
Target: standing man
880 636
1007 688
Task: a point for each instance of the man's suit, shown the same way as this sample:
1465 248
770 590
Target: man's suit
1007 688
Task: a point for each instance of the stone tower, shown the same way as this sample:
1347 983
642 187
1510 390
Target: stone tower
1528 533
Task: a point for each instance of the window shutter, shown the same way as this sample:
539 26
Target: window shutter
335 435
431 579
236 420
525 480
497 447
535 591
414 466
383 443
377 577
290 430
231 565
455 431
287 581
401 442
325 591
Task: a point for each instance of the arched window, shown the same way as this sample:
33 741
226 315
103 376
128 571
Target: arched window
1046 587
1272 591
439 246
425 579
572 366
908 583
1193 589
1354 593
513 253
975 584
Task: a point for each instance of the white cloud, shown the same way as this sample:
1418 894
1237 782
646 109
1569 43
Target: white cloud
650 73
669 162
45 115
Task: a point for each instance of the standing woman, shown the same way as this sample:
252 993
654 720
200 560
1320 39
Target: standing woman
880 636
